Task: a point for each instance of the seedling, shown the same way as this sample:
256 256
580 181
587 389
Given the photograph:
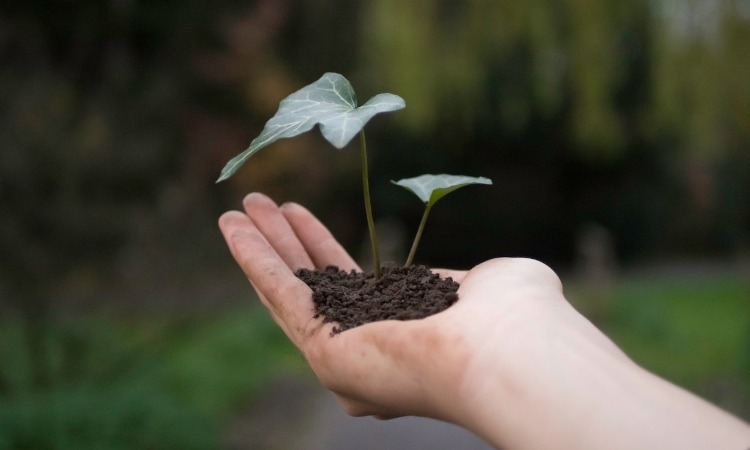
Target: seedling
332 103
430 189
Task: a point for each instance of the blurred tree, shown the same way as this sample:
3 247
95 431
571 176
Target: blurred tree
90 99
511 60
701 74
641 102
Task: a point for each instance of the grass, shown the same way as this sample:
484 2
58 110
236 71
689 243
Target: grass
694 331
687 331
228 362
144 384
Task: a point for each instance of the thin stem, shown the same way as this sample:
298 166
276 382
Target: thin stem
413 250
368 206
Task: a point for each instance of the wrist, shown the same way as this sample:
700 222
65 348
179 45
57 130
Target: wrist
543 380
563 384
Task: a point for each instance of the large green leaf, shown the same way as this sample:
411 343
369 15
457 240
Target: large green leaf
330 102
431 188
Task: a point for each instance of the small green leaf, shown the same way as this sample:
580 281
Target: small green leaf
431 188
330 102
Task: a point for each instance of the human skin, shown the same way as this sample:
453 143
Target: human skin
512 360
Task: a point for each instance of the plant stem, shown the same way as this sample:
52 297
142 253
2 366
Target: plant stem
413 250
368 206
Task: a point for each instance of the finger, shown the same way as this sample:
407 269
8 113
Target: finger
512 274
286 294
274 315
277 231
318 241
229 223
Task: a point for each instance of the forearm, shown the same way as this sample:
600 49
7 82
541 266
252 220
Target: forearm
567 389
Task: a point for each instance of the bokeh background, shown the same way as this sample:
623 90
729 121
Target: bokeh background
617 134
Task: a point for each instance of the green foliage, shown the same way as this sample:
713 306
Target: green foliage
111 417
498 63
615 70
139 385
330 102
218 368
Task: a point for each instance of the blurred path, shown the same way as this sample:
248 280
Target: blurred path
313 421
332 429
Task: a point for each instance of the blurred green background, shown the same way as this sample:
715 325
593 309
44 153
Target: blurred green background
616 132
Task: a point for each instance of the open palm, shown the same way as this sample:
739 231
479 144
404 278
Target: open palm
388 368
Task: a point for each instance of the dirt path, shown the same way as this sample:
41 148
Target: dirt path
296 414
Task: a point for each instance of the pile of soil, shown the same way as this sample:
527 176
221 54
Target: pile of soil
351 299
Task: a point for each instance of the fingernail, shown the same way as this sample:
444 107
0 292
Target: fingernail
288 205
253 196
258 199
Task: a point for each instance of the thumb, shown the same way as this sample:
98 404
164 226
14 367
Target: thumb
510 275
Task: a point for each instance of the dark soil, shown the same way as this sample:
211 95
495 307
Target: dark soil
351 299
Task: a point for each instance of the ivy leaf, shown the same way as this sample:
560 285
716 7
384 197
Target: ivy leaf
330 102
431 188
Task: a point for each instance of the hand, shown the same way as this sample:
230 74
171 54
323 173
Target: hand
510 355
373 369
386 368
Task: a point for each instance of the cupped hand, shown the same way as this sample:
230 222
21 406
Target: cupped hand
511 360
428 367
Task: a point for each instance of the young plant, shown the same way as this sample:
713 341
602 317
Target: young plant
331 103
430 189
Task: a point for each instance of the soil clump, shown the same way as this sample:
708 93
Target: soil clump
351 299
